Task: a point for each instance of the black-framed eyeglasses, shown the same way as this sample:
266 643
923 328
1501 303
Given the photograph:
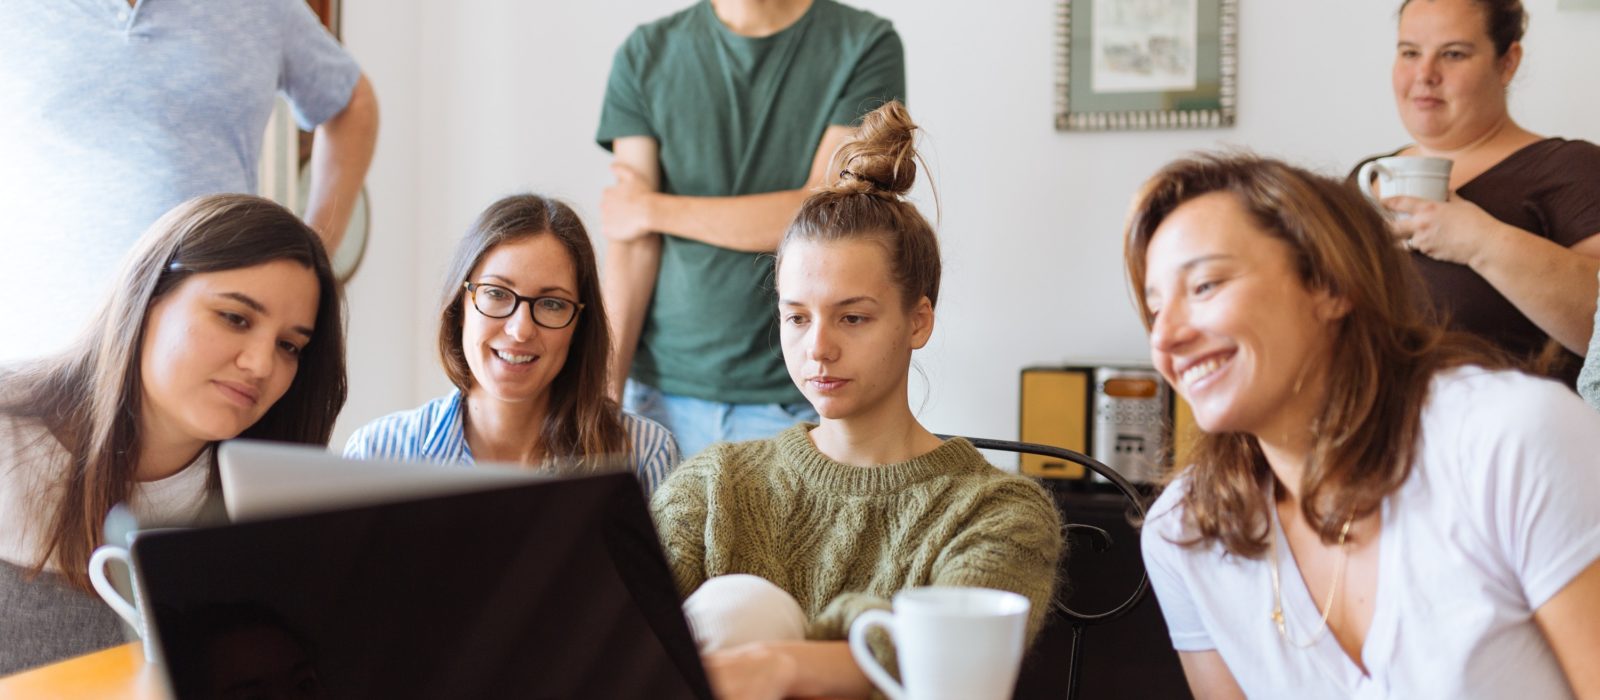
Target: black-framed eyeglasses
495 301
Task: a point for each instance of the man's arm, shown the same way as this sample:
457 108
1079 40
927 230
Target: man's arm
753 223
341 151
633 252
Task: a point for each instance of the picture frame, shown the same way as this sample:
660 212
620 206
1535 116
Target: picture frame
1146 64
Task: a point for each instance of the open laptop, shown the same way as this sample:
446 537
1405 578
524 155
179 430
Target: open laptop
266 479
529 588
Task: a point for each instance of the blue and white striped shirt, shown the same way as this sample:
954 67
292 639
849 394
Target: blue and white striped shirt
436 432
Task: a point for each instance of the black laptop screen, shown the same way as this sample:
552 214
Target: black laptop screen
549 590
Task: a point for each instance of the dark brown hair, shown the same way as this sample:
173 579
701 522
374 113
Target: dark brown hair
582 423
867 202
1386 350
1504 20
89 396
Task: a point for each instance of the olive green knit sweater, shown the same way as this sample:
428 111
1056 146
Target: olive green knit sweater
844 539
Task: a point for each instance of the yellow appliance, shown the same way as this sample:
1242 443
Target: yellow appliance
1123 416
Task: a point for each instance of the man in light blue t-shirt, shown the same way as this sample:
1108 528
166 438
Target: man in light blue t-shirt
117 110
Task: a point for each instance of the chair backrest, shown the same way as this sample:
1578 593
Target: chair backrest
1041 676
1104 539
43 620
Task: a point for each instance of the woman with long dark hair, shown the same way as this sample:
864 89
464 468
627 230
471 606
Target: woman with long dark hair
225 321
523 337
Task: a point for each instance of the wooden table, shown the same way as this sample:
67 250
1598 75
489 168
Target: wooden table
118 673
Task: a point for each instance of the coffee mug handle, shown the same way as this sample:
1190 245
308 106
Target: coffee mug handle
1364 177
863 653
102 585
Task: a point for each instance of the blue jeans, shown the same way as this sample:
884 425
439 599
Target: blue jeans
696 423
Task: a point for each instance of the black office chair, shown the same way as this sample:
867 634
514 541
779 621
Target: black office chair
1101 541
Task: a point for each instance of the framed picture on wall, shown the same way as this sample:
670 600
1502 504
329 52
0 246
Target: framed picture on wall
1146 64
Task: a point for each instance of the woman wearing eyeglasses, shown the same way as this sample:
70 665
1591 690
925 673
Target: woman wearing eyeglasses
523 337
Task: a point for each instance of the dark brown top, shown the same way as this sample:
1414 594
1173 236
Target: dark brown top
1550 189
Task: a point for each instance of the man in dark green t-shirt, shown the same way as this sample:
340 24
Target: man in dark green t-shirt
721 118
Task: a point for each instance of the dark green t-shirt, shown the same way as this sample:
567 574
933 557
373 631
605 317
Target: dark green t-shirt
736 115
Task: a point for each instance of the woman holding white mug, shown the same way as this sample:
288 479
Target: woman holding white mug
1512 255
225 321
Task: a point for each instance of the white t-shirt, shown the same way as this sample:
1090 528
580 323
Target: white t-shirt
31 462
1498 515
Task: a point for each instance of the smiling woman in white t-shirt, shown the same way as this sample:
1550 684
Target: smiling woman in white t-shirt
225 321
1377 507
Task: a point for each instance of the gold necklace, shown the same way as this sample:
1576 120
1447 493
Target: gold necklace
1333 589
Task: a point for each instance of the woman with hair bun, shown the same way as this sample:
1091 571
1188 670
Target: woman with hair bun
781 543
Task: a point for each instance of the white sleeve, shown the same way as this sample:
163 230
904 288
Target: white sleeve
1536 446
1168 567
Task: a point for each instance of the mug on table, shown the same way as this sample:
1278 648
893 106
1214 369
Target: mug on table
121 527
952 643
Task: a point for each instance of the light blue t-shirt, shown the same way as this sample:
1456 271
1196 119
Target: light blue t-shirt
114 114
1589 378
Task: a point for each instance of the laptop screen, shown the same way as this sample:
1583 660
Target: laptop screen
557 589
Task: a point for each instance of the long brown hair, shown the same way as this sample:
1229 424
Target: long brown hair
583 423
867 202
1386 349
89 396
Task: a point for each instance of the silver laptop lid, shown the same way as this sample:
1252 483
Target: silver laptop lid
266 480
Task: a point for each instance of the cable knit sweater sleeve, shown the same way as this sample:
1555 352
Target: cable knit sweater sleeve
1011 542
680 507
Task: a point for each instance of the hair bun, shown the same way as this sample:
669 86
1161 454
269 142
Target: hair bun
881 158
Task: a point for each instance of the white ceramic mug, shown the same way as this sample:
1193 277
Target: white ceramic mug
952 643
1422 177
134 611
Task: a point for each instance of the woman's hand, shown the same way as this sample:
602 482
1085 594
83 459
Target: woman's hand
1456 231
755 671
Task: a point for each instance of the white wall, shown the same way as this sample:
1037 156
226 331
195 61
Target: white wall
488 97
383 339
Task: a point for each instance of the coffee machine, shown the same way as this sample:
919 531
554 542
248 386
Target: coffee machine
1125 416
